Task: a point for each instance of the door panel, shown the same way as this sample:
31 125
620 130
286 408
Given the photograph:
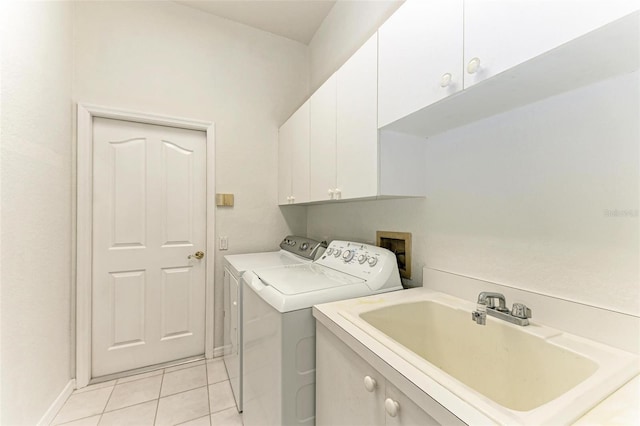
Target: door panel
127 301
177 185
149 215
176 302
127 203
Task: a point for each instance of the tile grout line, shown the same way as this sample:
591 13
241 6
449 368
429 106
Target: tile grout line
107 403
206 364
155 417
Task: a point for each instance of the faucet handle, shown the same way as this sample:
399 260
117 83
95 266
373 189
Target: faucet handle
520 310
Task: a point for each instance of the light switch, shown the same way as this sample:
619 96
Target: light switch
224 243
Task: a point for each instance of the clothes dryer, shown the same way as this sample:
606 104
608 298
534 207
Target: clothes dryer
293 250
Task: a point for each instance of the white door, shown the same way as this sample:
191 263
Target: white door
149 216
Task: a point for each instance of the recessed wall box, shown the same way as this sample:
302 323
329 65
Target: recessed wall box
398 243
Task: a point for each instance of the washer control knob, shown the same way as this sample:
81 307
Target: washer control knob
362 258
337 253
330 250
304 246
348 255
373 261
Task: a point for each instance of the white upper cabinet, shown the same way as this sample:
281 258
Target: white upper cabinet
348 158
322 142
499 35
432 49
420 60
357 124
293 158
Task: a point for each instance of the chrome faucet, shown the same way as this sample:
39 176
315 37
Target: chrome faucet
485 305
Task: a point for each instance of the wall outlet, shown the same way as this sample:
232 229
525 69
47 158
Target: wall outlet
223 243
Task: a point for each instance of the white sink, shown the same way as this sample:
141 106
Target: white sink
512 374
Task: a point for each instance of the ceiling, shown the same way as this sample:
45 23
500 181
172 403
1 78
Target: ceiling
294 19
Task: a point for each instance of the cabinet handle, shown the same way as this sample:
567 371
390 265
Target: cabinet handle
473 66
391 407
331 193
445 80
338 194
370 383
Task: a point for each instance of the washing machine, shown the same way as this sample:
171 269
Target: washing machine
279 329
293 250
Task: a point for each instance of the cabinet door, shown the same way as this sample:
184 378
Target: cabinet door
322 141
293 158
502 34
232 361
356 126
418 45
300 158
408 412
341 396
285 155
226 332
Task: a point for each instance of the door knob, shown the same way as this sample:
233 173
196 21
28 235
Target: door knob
197 255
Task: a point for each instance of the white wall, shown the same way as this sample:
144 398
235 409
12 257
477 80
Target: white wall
347 26
165 58
525 198
36 207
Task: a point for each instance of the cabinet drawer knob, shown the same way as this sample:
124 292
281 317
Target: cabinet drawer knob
370 383
473 66
391 407
445 80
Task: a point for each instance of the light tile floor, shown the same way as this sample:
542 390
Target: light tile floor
194 394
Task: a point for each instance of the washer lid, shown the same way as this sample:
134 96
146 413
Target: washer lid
305 278
243 262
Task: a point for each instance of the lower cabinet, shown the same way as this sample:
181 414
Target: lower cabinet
351 392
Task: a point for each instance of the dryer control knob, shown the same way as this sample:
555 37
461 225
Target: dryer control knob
373 261
362 258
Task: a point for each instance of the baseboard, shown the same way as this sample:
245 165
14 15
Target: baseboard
57 404
219 351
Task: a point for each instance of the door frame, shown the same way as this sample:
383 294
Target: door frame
84 223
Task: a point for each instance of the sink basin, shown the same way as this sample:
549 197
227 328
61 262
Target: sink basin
512 374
